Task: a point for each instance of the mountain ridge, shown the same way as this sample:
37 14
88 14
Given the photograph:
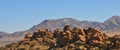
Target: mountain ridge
68 39
52 24
3 34
111 23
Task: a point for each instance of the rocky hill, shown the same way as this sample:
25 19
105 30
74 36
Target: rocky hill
110 26
112 23
66 39
60 23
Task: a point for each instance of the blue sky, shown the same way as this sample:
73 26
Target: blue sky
18 15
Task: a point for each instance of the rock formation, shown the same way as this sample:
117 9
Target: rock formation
67 39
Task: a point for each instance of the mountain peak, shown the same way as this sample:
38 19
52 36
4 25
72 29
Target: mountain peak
52 24
113 22
115 17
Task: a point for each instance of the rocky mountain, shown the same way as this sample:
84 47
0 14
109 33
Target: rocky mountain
112 23
3 34
60 23
68 39
57 23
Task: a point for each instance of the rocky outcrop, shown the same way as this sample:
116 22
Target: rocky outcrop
67 39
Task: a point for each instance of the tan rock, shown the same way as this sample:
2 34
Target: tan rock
81 32
71 46
66 28
92 30
29 35
75 30
82 38
68 32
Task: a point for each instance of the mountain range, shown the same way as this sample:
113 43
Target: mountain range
111 26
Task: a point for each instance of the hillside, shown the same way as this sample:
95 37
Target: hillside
60 23
112 23
68 39
3 34
110 26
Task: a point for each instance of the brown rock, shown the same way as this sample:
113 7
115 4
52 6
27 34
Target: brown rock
57 33
92 30
81 32
71 46
62 41
66 33
75 30
29 35
66 28
81 47
95 42
82 38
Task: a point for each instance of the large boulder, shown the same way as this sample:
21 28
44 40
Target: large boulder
66 28
81 32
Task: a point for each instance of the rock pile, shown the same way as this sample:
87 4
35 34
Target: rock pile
67 39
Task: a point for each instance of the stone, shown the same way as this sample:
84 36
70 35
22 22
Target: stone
81 32
75 30
66 28
82 38
28 36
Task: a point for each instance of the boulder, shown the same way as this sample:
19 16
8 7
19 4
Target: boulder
81 32
82 38
75 30
28 36
66 28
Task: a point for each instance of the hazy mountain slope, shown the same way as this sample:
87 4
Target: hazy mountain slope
111 32
69 39
112 23
3 34
60 23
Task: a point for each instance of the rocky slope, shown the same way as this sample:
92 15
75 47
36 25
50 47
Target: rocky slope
112 23
110 26
60 23
66 39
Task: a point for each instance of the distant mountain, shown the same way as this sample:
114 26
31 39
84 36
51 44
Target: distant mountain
112 23
60 23
72 39
3 34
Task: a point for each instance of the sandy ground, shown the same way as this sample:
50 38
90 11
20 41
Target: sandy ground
9 40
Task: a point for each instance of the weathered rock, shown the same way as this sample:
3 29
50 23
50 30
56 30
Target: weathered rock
75 30
71 46
28 36
66 28
75 39
82 38
81 32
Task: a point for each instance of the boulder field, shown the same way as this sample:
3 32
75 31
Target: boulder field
66 39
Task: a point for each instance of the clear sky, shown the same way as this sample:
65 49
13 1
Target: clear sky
18 15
